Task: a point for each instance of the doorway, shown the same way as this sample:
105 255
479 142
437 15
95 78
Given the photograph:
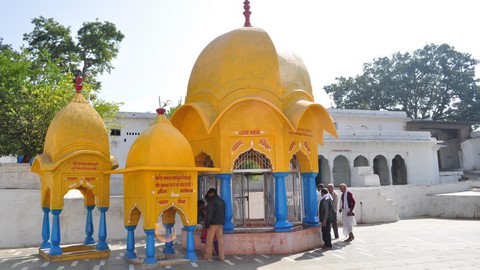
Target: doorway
252 188
253 199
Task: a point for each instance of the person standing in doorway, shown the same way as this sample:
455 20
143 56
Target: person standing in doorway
214 220
348 216
335 207
325 207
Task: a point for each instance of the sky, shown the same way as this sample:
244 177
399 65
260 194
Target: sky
334 38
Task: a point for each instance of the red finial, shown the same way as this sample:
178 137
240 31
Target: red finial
78 83
160 111
246 13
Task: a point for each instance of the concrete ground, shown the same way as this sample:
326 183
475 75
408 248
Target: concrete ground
423 243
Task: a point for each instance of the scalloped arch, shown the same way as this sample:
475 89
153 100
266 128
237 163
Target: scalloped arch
273 107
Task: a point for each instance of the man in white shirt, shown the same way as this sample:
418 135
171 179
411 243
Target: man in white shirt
319 189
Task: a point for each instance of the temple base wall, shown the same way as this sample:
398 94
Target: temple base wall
266 242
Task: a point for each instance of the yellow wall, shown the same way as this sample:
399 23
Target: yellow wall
154 192
82 171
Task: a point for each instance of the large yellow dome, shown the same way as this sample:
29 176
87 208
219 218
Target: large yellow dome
241 59
244 63
161 145
77 126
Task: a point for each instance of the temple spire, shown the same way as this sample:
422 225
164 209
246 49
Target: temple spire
246 13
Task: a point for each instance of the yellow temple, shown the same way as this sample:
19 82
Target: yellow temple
76 155
250 112
160 180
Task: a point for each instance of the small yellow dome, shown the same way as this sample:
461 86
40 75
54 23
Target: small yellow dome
77 126
242 58
161 145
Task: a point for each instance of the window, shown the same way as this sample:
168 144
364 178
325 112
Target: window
115 132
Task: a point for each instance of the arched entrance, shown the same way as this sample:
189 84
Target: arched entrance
380 168
252 187
341 171
165 227
323 175
360 161
205 180
399 171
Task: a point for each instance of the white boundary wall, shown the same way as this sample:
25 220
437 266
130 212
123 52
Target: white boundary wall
21 214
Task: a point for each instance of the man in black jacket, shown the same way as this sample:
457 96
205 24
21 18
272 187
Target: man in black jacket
325 208
214 219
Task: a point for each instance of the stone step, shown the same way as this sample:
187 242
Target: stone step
474 175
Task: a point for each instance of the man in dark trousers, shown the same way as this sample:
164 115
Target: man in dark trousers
214 220
335 207
324 209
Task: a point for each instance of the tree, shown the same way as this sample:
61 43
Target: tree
29 99
4 46
434 82
54 38
35 83
98 44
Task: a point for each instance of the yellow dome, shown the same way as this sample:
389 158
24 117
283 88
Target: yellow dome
241 59
77 126
244 63
161 145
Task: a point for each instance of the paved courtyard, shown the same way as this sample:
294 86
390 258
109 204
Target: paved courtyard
424 243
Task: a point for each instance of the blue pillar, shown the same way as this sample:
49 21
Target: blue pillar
130 242
102 230
281 210
45 229
168 239
150 247
89 226
190 247
225 187
55 237
310 199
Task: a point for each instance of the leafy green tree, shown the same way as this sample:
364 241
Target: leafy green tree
4 46
434 82
54 38
29 98
98 43
36 82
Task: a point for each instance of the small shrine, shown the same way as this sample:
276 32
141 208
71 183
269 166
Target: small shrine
76 155
160 180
